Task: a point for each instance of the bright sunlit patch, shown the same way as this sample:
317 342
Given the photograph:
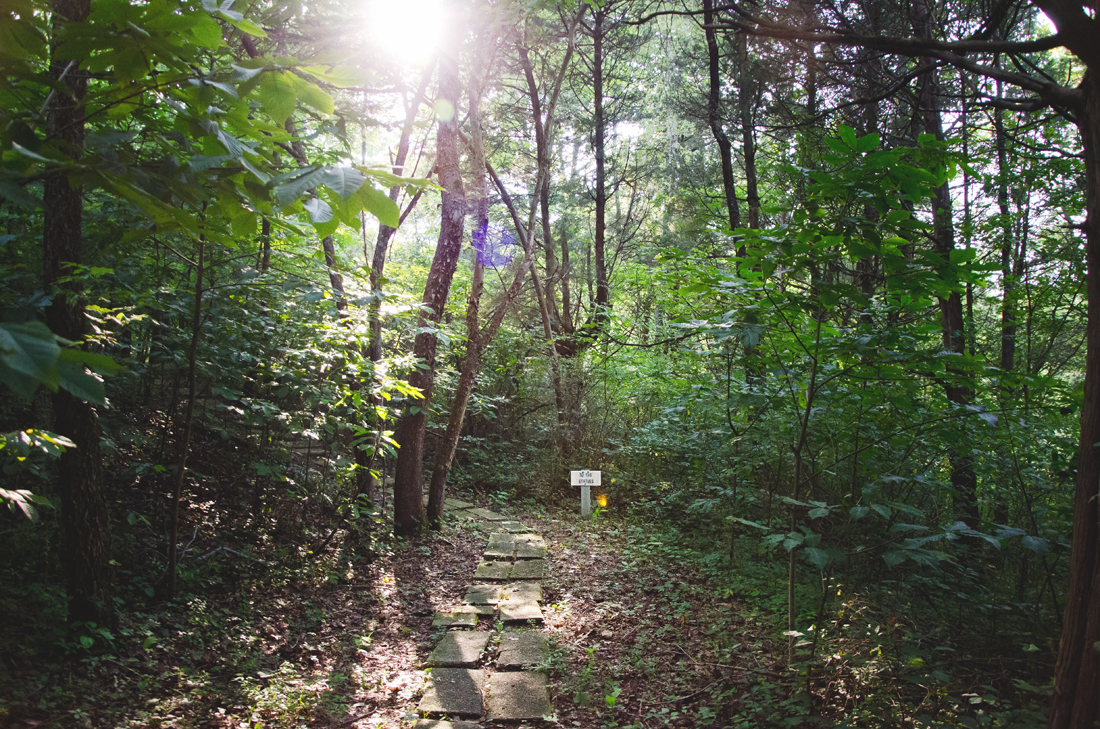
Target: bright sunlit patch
405 30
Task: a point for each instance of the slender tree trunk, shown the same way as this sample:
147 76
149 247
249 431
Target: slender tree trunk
385 232
603 295
85 524
1077 674
952 320
1008 280
408 498
714 118
746 101
188 420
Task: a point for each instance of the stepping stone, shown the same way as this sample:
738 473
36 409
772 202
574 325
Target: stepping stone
459 650
455 504
483 594
520 592
497 570
526 550
501 546
440 724
530 546
519 649
487 515
513 526
456 619
529 569
519 610
455 691
475 609
518 696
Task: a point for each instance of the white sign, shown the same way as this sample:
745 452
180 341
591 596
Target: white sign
584 478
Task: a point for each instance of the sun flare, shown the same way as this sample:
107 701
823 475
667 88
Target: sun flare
405 30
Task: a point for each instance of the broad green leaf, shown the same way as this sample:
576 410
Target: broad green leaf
287 193
319 210
247 26
894 558
819 557
378 204
343 180
276 94
75 379
29 351
858 512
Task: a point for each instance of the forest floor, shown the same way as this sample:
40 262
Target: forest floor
640 638
635 641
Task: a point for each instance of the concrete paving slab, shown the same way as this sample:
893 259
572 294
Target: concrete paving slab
516 611
495 570
476 609
530 538
525 550
483 594
456 619
529 569
513 526
518 696
519 649
459 650
454 691
521 592
456 504
440 724
487 515
500 546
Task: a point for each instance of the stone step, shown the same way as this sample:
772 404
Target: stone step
459 650
522 695
455 692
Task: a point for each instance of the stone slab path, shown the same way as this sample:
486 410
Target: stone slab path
472 677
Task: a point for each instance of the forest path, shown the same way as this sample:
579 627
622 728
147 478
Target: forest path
629 632
471 679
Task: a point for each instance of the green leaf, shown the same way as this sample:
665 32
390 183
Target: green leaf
894 557
287 193
819 557
276 94
28 357
319 210
344 181
858 512
378 204
818 513
247 26
74 378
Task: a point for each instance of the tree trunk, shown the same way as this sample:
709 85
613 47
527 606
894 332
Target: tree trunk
1077 675
603 297
714 118
385 232
408 498
85 524
746 100
952 320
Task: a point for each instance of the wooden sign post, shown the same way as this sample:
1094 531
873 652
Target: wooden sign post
586 480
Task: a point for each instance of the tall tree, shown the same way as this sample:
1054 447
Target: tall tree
86 550
409 514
